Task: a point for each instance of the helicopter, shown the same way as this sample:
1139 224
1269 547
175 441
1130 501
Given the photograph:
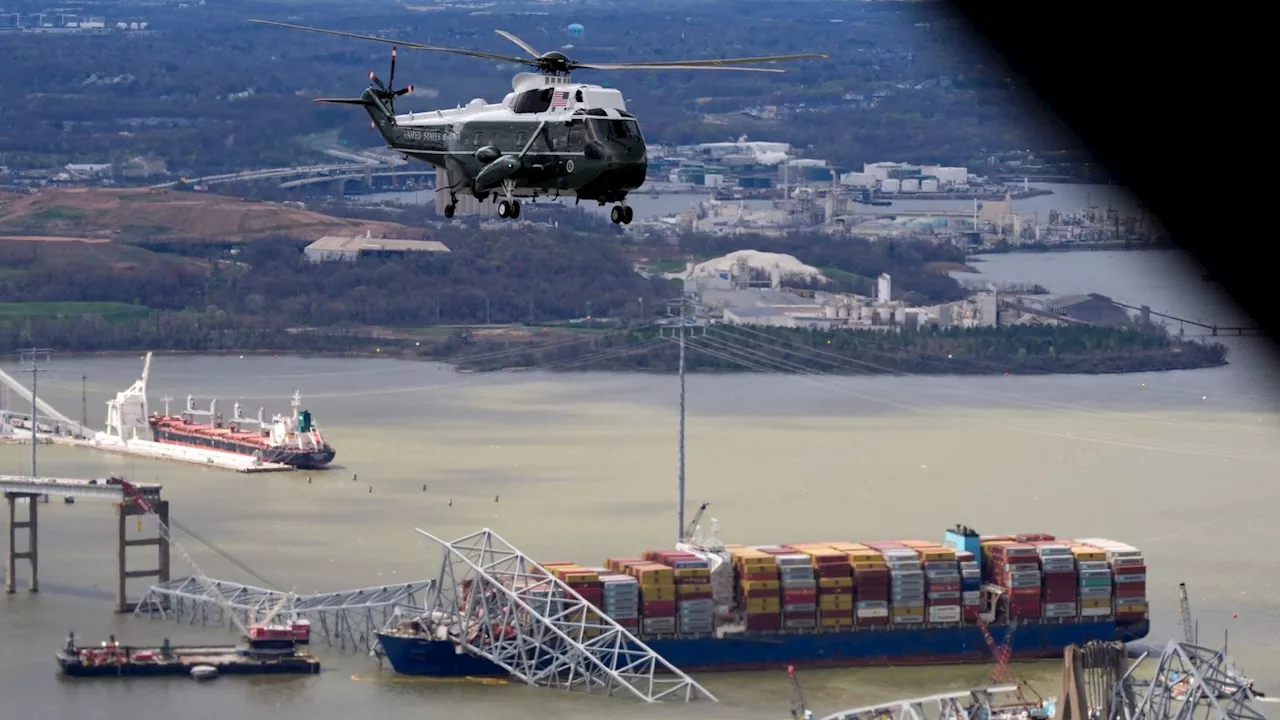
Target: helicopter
549 136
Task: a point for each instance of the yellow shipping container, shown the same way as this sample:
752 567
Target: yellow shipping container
1088 554
836 602
899 610
1095 603
1131 608
937 554
836 622
692 589
761 605
868 565
749 585
693 573
835 582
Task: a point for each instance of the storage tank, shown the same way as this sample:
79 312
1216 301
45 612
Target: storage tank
929 185
910 185
844 312
900 316
889 186
829 311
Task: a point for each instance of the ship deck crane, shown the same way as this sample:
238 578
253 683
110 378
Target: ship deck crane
211 587
693 524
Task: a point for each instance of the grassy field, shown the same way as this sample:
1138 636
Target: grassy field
108 310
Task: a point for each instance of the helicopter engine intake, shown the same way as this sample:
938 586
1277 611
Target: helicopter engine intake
488 154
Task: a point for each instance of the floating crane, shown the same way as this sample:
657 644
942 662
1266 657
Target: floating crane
799 710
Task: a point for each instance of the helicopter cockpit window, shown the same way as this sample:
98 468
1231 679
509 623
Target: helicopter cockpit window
533 101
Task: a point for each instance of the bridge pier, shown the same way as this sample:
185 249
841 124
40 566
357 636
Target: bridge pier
124 511
31 525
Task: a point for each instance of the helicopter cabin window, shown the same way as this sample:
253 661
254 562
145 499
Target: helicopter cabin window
479 139
520 139
493 138
533 101
615 129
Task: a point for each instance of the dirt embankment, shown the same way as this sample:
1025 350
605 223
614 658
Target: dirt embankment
137 214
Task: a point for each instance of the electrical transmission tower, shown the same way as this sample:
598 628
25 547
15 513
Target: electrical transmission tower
34 356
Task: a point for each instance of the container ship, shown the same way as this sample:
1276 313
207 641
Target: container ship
906 602
292 440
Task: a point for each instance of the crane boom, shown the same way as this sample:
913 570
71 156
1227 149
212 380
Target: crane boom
210 586
1184 609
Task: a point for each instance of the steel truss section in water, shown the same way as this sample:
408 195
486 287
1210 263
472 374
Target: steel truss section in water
1190 682
347 619
964 705
498 604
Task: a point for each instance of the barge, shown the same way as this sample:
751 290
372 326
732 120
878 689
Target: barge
268 652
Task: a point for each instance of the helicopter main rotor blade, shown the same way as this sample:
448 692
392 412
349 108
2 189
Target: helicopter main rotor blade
721 62
402 43
523 45
595 66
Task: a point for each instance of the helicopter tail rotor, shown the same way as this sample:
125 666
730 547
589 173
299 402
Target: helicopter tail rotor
387 92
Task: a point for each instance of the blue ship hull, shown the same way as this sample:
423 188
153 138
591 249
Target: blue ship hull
410 655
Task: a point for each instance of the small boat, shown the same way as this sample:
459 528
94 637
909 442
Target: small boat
204 672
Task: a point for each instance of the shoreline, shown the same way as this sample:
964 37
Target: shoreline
460 363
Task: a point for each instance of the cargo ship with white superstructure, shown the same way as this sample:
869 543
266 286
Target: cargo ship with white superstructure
286 441
293 440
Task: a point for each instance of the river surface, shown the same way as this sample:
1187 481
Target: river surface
583 466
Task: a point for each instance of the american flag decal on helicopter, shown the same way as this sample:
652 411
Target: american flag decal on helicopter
560 99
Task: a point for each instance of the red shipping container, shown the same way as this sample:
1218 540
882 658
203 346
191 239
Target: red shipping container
865 621
1131 589
797 596
699 595
1029 592
761 593
766 574
835 614
705 580
804 615
829 571
1129 570
764 622
658 608
944 587
1033 537
775 550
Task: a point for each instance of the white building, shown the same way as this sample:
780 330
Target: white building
333 247
883 288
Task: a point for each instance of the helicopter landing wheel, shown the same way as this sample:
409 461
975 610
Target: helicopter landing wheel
449 210
616 214
627 214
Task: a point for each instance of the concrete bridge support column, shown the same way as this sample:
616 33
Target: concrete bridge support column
31 556
125 511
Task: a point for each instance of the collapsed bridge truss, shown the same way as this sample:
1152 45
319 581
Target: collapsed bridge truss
346 619
498 604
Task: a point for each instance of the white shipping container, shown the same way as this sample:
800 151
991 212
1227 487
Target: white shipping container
908 619
944 615
1103 611
971 598
871 612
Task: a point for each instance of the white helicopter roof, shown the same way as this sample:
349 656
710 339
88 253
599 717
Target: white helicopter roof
566 98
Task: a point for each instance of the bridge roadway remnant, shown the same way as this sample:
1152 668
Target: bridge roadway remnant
19 487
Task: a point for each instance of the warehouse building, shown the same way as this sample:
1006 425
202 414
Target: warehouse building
349 248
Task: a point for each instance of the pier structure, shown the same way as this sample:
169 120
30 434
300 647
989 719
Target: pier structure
347 619
19 488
